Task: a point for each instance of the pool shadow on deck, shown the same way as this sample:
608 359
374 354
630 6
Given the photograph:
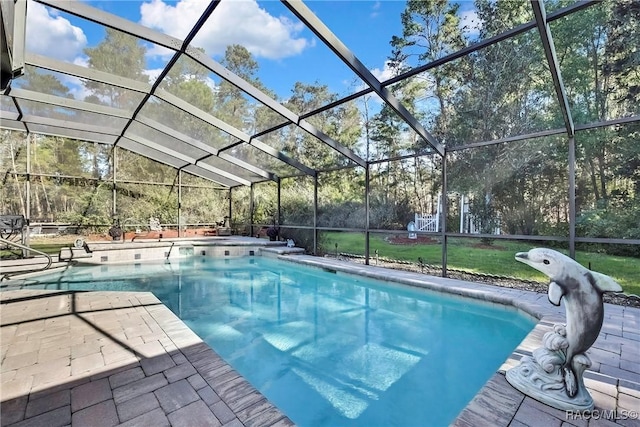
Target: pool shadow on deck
111 358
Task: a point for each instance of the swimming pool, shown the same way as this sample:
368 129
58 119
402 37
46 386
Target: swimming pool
326 348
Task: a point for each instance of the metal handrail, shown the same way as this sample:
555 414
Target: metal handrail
25 247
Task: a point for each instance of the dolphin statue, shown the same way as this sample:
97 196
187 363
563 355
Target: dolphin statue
582 291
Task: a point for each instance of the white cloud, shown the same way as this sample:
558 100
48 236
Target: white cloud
51 35
82 61
233 22
174 20
470 23
212 84
383 74
375 10
78 90
386 73
153 73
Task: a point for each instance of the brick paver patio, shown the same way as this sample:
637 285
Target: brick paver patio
115 358
123 358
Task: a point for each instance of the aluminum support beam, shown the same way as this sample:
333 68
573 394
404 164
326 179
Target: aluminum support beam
554 65
19 37
27 214
114 204
579 5
251 208
231 204
572 197
86 73
236 133
223 173
12 125
67 124
620 121
279 210
181 156
179 202
10 115
202 173
367 234
248 88
136 147
443 211
176 135
244 165
204 147
201 114
68 103
113 21
322 31
315 215
63 132
157 147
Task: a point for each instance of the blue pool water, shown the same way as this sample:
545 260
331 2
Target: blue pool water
327 349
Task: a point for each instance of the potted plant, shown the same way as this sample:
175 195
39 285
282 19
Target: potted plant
273 232
115 232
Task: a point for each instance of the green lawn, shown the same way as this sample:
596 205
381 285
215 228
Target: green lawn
463 254
49 248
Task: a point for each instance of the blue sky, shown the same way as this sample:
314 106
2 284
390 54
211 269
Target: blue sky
285 50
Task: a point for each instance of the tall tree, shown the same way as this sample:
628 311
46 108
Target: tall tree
130 63
623 68
232 106
491 105
431 30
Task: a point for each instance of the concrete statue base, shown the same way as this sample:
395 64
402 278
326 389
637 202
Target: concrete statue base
541 376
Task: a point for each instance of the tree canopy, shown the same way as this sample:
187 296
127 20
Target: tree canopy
495 93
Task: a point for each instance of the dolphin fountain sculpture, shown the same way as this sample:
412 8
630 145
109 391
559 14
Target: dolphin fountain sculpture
553 375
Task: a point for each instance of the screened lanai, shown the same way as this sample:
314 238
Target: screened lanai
449 123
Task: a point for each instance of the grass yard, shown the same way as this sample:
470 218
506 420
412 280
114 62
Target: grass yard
468 255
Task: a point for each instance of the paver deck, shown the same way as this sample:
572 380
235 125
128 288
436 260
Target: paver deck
123 358
115 358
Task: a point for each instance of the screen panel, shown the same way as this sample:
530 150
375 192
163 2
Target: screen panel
296 196
608 182
519 188
596 49
341 199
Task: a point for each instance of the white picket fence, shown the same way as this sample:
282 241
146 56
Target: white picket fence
427 222
469 223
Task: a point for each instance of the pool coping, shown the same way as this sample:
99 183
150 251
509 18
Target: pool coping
613 380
